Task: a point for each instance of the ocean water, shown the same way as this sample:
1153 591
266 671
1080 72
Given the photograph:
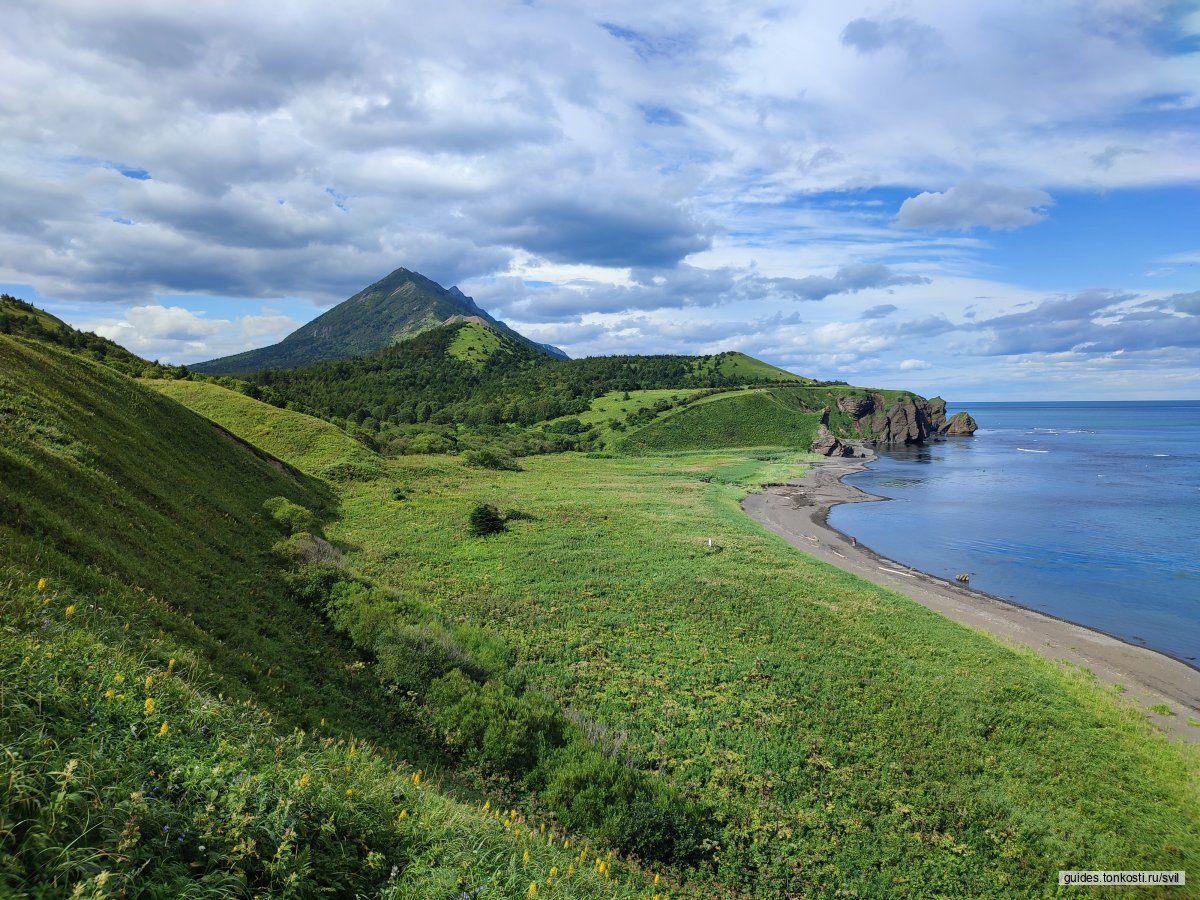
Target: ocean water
1087 511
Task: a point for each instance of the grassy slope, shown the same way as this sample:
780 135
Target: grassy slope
474 344
101 477
739 364
846 736
313 446
736 419
111 498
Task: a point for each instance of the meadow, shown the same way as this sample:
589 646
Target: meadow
838 737
233 663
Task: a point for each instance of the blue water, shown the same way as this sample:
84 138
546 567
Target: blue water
1087 511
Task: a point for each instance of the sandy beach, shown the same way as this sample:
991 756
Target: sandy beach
797 512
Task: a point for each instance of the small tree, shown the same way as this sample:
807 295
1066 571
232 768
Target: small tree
486 519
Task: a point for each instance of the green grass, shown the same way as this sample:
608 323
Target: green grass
111 483
737 419
474 344
199 796
846 737
741 365
136 565
840 737
313 446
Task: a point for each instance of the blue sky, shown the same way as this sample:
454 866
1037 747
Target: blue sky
986 200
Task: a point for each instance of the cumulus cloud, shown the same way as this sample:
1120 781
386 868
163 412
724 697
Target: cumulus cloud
974 204
175 334
881 311
872 35
847 280
912 365
1090 322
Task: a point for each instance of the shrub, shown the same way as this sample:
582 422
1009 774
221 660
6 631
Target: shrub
490 725
591 792
292 516
303 548
412 657
485 519
487 458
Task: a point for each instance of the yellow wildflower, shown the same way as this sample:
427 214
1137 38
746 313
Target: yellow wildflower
487 804
162 729
349 792
171 664
119 678
126 627
657 877
566 843
70 610
41 584
553 871
532 890
525 858
570 869
304 780
109 694
353 749
416 779
149 705
404 814
149 682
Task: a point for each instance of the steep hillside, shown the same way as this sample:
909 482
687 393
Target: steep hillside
23 319
100 474
158 660
313 446
387 312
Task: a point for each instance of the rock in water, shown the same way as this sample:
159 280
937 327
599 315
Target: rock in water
961 423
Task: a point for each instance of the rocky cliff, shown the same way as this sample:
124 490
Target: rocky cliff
871 418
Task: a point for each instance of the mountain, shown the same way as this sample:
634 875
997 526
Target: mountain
391 310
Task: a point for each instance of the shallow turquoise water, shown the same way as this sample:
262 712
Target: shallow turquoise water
1087 511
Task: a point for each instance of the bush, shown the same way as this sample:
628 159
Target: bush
413 657
292 516
591 792
487 458
485 519
492 726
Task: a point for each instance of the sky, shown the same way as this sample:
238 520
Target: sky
993 200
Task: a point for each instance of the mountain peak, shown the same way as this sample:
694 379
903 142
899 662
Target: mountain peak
393 309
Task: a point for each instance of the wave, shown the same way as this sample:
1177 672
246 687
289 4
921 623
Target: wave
1027 450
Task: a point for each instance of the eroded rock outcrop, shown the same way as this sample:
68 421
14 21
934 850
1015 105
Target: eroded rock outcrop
960 424
907 419
827 443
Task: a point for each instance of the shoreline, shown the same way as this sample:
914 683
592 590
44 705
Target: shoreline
798 511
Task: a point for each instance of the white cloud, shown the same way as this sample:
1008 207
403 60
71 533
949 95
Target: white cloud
175 334
974 204
676 156
913 365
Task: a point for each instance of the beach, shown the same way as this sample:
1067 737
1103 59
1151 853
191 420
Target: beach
798 512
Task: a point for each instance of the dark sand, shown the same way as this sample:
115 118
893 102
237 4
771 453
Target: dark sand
797 512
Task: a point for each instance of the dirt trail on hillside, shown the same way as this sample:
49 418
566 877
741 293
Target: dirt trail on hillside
797 512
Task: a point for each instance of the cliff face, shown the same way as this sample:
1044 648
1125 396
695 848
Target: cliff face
875 420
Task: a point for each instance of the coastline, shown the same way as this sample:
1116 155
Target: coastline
797 512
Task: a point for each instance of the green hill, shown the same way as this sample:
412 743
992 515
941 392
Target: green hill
243 655
177 718
391 310
734 419
313 446
23 319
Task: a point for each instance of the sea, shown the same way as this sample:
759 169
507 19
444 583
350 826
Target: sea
1088 511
